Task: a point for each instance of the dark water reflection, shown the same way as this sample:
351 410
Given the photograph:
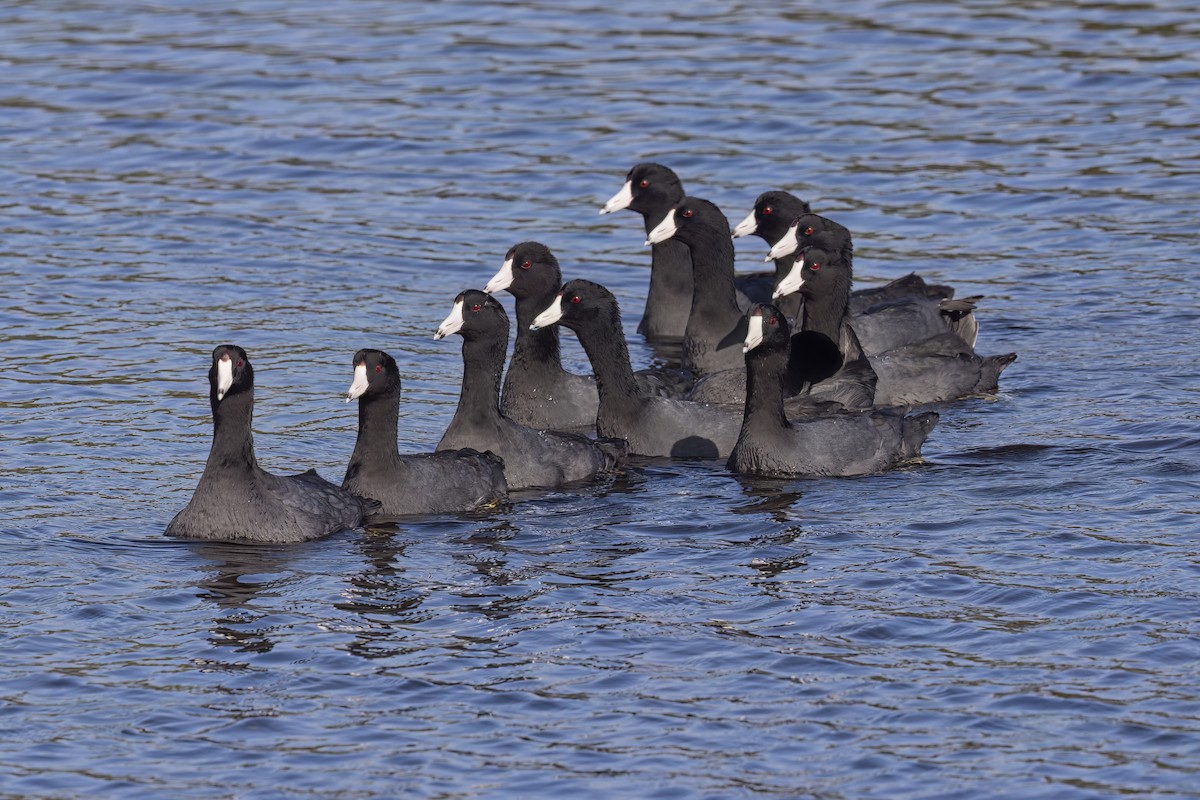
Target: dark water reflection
1014 618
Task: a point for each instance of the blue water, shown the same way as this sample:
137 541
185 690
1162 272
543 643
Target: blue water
1016 618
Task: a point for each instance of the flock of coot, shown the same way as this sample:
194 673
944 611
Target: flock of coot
781 373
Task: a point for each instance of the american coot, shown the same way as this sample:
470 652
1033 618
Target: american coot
847 443
236 500
652 190
653 426
421 483
538 392
532 457
716 325
904 312
854 385
942 367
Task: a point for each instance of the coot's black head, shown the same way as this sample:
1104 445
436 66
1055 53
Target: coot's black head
766 329
813 276
649 189
773 213
694 222
813 230
475 315
230 373
578 303
375 373
529 270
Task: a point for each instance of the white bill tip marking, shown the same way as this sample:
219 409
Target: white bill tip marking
359 385
550 316
452 323
502 279
620 200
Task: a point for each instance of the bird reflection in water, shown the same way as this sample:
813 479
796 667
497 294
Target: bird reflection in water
242 573
773 496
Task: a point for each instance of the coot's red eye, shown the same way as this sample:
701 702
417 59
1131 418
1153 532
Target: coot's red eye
239 362
526 264
476 307
808 231
643 183
772 321
379 367
575 298
687 212
767 211
814 266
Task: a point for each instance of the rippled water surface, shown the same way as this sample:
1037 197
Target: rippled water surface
1015 618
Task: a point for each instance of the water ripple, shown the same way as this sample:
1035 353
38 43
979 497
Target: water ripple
1017 613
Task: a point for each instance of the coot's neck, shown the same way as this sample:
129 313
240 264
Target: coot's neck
536 348
233 443
604 342
714 296
846 255
824 313
764 389
483 363
378 425
670 283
